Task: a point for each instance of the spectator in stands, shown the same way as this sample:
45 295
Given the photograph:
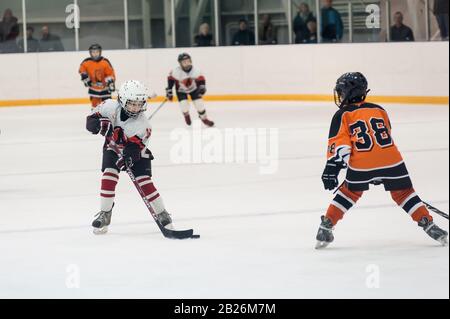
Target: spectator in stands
268 33
312 28
244 36
332 26
304 16
9 31
399 31
204 38
9 28
49 42
440 10
32 43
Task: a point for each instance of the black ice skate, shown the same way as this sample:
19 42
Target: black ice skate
165 220
207 122
434 231
101 222
325 233
187 118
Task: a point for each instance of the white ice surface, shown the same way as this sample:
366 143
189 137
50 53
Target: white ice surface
258 231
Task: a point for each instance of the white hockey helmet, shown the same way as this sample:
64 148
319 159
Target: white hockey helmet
133 97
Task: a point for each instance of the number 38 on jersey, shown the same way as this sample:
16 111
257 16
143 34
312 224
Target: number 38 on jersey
368 132
362 136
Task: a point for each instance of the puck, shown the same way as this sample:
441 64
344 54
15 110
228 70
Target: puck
195 236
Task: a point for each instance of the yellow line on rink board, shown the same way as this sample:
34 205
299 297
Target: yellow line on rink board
42 102
437 100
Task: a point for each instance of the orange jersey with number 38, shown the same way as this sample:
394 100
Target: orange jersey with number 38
360 135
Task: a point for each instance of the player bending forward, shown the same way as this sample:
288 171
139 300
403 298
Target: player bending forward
123 122
360 139
188 81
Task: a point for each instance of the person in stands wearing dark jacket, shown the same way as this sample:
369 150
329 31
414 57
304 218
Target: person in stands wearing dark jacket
399 31
244 36
9 31
32 43
49 41
440 10
332 25
301 30
312 28
268 32
204 38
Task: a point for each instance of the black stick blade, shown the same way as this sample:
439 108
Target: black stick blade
178 234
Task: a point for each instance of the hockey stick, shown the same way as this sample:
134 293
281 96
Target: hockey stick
338 188
168 233
435 210
157 109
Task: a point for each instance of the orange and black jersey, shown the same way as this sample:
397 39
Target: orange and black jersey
360 136
100 73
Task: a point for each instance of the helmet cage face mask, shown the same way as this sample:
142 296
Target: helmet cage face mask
186 64
95 54
133 98
134 108
95 48
338 98
182 60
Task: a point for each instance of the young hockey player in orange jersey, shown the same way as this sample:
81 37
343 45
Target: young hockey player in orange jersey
98 75
360 140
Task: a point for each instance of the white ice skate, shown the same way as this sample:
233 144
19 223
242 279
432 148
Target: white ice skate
101 223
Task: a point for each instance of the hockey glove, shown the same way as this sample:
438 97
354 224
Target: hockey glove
169 94
202 90
86 80
131 155
106 127
96 125
111 87
330 175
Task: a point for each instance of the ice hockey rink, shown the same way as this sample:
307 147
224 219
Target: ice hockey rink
258 231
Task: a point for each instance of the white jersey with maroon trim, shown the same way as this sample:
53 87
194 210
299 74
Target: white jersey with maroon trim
133 127
186 82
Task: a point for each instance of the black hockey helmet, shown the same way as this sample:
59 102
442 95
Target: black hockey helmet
185 56
350 88
95 47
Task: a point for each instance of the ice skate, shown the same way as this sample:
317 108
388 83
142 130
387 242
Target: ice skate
101 222
165 220
325 233
207 122
434 231
187 119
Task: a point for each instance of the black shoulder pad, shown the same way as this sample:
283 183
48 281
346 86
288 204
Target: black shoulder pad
336 123
87 59
371 106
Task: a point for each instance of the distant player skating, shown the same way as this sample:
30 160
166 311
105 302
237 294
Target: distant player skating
360 140
98 75
188 81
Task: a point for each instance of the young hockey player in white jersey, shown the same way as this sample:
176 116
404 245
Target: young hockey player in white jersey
188 81
123 122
